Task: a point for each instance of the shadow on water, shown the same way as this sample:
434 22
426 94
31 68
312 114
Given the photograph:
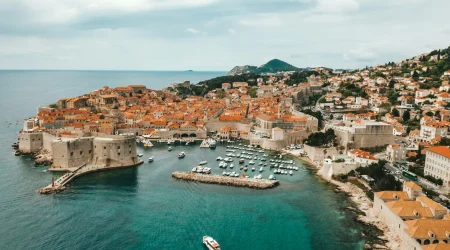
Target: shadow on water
117 178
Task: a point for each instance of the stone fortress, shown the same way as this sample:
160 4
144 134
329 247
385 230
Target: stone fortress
71 153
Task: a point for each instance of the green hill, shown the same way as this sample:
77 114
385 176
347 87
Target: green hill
273 66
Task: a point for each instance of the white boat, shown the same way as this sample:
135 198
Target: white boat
261 169
290 172
140 155
224 173
181 155
219 158
203 162
169 148
253 169
241 160
271 177
194 169
231 165
221 164
151 159
251 162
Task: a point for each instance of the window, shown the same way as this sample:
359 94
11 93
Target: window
118 147
81 152
130 151
71 153
90 151
118 153
104 147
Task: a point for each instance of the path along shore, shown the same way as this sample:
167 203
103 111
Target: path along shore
364 204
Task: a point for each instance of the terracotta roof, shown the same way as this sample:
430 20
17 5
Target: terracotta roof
430 203
412 185
442 150
436 247
392 195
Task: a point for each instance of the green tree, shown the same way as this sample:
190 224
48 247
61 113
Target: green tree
220 94
395 112
406 115
252 92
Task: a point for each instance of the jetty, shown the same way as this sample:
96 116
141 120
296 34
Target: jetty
59 184
226 180
206 143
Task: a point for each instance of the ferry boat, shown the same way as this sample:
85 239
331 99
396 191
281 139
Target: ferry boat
151 159
213 144
203 162
181 155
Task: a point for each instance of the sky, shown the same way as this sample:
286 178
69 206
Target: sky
216 35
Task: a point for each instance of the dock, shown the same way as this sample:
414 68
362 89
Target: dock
206 143
226 180
59 184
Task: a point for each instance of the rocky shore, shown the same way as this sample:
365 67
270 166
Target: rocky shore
225 180
380 235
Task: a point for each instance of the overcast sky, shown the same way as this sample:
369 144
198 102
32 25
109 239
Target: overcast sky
216 34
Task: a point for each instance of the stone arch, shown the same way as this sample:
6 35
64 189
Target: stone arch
420 241
184 135
176 135
193 135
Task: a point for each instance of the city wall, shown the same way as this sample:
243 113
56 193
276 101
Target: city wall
318 154
71 152
31 142
216 126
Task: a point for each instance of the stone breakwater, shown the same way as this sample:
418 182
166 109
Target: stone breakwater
225 180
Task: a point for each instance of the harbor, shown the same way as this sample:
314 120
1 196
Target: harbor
226 180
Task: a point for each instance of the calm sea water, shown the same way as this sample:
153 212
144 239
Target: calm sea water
144 208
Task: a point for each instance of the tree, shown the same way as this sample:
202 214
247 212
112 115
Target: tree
347 92
406 115
429 113
220 94
252 92
391 84
395 112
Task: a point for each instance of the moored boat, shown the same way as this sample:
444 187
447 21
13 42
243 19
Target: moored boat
181 155
151 159
203 162
169 148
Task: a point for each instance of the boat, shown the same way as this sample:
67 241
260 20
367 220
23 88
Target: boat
140 155
181 155
261 169
245 169
271 177
224 173
290 172
221 164
253 169
203 162
251 162
241 167
212 144
169 148
219 158
231 165
151 159
17 153
241 160
194 169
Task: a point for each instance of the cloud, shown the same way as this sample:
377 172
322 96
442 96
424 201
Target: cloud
337 6
194 31
362 54
262 20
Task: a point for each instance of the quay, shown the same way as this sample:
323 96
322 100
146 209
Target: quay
59 184
226 180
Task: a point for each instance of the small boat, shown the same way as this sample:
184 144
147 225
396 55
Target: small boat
169 148
224 173
219 158
241 167
140 155
231 165
213 144
151 159
221 164
290 172
203 162
253 169
251 162
17 153
241 160
245 169
181 155
271 177
261 169
194 169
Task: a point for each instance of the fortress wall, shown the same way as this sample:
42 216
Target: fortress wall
273 145
201 134
48 139
115 151
318 154
30 142
71 153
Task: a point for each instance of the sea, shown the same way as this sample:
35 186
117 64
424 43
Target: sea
144 207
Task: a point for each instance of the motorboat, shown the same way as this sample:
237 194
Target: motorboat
231 165
241 160
169 148
261 169
219 158
253 169
203 162
245 169
181 155
251 162
140 155
221 164
151 159
290 172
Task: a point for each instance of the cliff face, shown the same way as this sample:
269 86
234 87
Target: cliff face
272 66
237 70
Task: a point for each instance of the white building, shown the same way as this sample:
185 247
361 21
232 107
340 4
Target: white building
431 130
277 134
437 163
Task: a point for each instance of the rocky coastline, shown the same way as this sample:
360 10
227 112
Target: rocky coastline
378 234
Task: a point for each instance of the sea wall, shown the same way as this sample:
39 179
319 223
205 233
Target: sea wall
71 152
225 180
318 154
30 142
48 139
115 151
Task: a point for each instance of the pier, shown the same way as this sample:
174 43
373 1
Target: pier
226 180
206 143
59 184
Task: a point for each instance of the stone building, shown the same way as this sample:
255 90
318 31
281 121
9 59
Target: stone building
437 163
363 134
396 152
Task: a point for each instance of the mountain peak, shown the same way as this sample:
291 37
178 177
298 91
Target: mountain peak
272 66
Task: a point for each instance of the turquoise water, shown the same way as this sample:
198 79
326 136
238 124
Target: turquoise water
143 207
